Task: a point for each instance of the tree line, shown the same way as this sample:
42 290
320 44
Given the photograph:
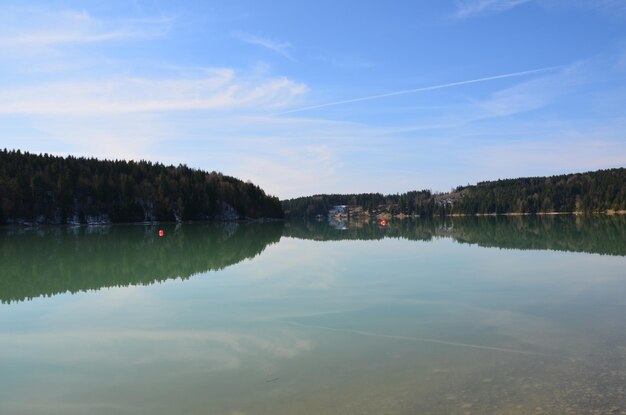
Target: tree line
597 191
421 203
590 192
51 189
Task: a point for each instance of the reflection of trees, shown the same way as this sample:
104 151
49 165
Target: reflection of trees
592 234
57 260
322 231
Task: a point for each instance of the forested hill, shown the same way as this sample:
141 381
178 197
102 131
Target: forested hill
599 191
50 189
418 202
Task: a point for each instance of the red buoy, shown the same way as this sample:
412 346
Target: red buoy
383 223
161 232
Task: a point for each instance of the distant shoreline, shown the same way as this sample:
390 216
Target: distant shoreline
401 216
608 213
155 223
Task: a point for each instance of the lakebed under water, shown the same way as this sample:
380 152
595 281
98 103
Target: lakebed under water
464 316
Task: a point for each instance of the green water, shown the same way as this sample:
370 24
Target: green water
466 316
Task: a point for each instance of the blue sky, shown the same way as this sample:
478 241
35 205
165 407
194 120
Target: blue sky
324 96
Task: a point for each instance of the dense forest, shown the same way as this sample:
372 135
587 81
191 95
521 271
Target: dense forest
590 192
51 189
598 191
420 203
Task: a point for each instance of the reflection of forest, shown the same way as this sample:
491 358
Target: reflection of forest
592 234
323 231
600 234
50 261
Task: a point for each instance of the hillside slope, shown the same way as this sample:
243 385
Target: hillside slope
58 190
599 191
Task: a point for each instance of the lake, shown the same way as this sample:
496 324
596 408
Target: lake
517 315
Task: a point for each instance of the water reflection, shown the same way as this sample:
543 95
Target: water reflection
50 261
591 234
386 324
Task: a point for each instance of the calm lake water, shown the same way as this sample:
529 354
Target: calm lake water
467 316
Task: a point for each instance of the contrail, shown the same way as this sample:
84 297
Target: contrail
422 89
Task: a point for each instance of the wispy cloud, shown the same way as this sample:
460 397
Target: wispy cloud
557 152
421 89
218 89
475 8
289 168
37 28
470 8
532 94
275 46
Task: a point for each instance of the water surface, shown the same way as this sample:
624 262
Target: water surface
467 316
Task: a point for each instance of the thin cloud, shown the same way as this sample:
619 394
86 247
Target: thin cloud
528 96
37 28
553 153
470 8
475 8
52 38
274 46
422 89
219 90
